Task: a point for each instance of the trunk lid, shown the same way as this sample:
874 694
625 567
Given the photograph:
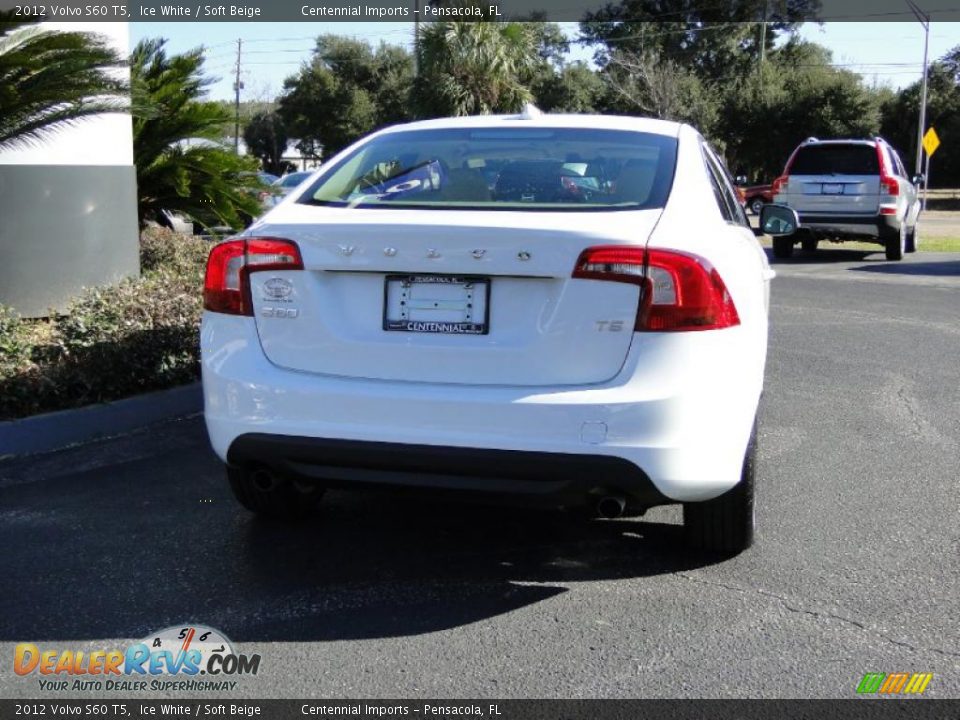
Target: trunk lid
544 327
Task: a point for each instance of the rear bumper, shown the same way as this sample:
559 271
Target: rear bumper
565 479
679 416
875 226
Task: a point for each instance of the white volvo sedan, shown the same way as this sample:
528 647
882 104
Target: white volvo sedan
570 309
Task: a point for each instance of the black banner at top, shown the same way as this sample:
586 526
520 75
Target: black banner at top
708 11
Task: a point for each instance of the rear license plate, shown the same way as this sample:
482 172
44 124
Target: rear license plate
443 304
833 189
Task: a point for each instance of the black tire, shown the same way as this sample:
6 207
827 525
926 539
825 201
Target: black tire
267 494
783 247
726 524
756 205
809 244
894 243
910 245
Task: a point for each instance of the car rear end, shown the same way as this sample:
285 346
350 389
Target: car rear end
430 324
842 189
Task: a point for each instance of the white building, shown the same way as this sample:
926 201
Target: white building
68 206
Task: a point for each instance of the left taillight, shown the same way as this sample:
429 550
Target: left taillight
226 286
678 291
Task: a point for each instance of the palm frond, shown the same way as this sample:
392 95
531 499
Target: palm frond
51 79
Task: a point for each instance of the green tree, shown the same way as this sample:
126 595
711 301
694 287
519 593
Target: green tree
800 95
347 90
49 79
182 164
716 40
902 113
266 139
574 88
470 68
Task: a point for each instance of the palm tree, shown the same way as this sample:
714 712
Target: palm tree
470 68
182 163
49 79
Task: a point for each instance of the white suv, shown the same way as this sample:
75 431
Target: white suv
565 308
848 190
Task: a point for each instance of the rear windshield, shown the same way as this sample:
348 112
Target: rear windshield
835 160
503 168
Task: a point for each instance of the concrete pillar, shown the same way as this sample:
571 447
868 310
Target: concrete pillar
68 211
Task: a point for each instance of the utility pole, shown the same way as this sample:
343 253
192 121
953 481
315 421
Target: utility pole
237 87
416 38
763 48
924 19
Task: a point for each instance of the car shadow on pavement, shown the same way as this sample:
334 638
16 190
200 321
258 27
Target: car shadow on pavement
946 268
380 566
827 255
148 541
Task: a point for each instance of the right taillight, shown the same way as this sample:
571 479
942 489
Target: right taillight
226 286
678 291
889 185
778 184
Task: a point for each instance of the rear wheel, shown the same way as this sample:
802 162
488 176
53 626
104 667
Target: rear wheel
783 247
263 492
894 242
910 245
726 524
756 205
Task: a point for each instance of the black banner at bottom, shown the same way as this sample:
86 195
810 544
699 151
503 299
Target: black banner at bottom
855 709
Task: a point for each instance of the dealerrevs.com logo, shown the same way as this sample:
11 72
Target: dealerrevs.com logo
189 657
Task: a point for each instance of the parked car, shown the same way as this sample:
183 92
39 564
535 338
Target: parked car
288 183
397 321
756 196
849 190
184 224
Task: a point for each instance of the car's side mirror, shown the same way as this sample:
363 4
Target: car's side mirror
777 220
740 180
917 179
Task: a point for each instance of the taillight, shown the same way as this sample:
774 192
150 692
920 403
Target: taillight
778 184
678 291
889 185
226 286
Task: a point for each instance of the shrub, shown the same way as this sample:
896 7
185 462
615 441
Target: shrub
114 341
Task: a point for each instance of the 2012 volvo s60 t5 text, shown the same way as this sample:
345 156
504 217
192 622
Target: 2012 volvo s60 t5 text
571 308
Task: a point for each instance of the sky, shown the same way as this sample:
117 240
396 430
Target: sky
885 53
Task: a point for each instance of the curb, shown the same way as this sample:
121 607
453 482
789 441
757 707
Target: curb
56 430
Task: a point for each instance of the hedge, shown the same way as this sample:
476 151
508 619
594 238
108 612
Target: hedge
113 341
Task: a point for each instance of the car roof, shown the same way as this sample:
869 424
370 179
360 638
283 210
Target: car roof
544 120
845 141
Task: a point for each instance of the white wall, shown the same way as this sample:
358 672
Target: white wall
68 205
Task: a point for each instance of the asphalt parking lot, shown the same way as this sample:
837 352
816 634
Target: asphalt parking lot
855 569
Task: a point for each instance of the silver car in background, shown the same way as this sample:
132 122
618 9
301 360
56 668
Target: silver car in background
849 190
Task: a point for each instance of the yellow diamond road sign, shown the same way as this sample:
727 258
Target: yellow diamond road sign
931 142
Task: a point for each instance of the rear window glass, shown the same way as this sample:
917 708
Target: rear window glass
503 168
835 160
